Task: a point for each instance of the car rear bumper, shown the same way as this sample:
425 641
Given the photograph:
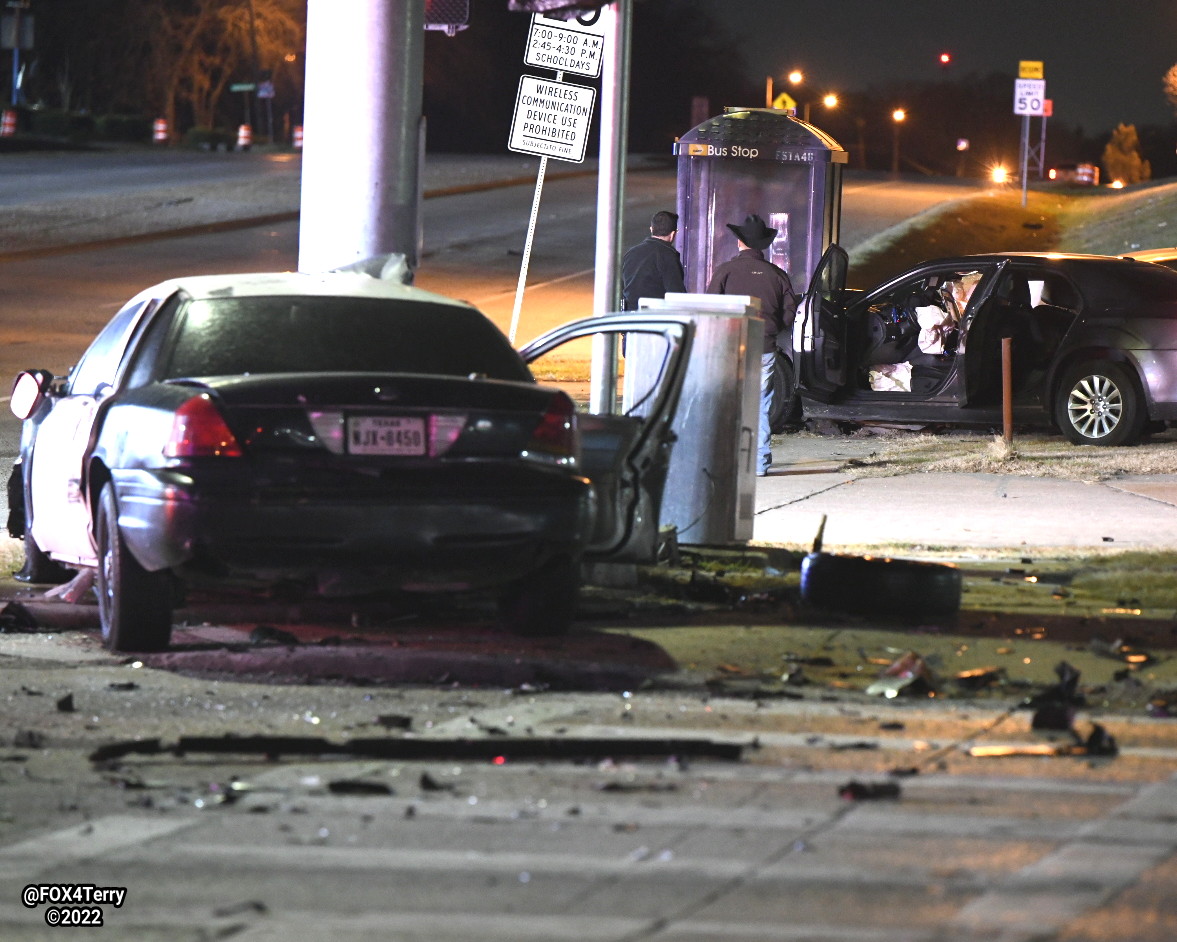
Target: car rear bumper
472 533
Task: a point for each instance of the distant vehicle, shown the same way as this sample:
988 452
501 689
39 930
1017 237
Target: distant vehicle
1075 174
335 434
1094 344
1166 257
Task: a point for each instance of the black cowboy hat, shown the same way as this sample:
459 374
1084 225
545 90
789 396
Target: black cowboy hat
753 233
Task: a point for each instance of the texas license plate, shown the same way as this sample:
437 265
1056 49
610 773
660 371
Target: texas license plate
385 435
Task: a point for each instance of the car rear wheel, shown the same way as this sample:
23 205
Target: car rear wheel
1098 404
785 411
134 605
543 603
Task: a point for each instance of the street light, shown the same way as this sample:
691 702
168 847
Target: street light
898 116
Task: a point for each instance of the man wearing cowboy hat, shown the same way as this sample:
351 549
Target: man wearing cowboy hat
751 274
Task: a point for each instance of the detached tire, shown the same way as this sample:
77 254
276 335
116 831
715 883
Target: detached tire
785 411
1098 403
542 604
134 605
870 586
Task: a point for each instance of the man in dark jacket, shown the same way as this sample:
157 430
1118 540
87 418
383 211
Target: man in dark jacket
652 267
751 274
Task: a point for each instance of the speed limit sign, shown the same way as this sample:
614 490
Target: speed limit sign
1029 96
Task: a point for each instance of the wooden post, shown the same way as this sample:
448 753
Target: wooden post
1007 391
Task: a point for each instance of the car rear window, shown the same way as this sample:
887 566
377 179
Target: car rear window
256 335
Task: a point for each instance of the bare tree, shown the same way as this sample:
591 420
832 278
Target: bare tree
1170 86
199 47
1121 156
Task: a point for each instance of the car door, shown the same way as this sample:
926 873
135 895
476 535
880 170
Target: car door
820 353
626 452
57 507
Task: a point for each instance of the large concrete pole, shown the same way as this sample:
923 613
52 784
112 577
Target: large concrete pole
618 20
361 131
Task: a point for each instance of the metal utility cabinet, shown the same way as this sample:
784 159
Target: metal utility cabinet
764 161
710 493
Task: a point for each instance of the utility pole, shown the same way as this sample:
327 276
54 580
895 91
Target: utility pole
256 79
363 132
618 19
17 7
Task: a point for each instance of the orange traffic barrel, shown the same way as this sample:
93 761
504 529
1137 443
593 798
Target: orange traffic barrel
298 137
8 123
244 137
159 131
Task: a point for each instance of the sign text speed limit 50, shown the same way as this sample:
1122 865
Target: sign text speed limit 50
1029 96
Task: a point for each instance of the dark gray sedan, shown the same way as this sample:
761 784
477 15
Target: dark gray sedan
338 434
1093 345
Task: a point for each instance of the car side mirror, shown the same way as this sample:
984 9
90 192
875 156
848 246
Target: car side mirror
28 391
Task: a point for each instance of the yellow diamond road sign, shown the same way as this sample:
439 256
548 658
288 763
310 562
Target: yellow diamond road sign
1030 69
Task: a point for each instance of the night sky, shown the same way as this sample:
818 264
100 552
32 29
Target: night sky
1104 59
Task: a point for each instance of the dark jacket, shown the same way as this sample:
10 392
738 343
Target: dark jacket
750 273
649 270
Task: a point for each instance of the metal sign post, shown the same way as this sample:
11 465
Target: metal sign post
1029 100
552 118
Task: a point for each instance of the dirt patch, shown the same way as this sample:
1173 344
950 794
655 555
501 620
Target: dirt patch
1029 455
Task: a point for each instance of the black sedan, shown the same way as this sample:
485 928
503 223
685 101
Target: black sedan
1093 344
339 434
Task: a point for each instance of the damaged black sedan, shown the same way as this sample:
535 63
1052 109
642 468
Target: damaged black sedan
1092 341
334 434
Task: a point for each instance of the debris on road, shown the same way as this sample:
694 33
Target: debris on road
14 617
411 748
1054 708
909 675
1099 743
868 791
74 590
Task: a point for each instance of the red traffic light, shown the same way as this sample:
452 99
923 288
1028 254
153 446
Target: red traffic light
945 59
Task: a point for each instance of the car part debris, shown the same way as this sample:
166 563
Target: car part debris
406 748
74 590
14 618
879 586
1118 650
268 634
978 678
350 786
869 791
1098 743
909 674
1054 708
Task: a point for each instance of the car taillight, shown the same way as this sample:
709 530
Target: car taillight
199 431
443 432
554 438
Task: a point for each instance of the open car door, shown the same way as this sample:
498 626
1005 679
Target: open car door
819 330
625 454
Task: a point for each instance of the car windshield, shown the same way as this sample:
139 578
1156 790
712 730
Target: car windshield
252 335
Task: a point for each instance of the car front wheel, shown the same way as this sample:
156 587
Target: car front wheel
134 605
1098 404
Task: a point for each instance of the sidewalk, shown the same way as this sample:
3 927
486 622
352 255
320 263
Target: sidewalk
953 510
